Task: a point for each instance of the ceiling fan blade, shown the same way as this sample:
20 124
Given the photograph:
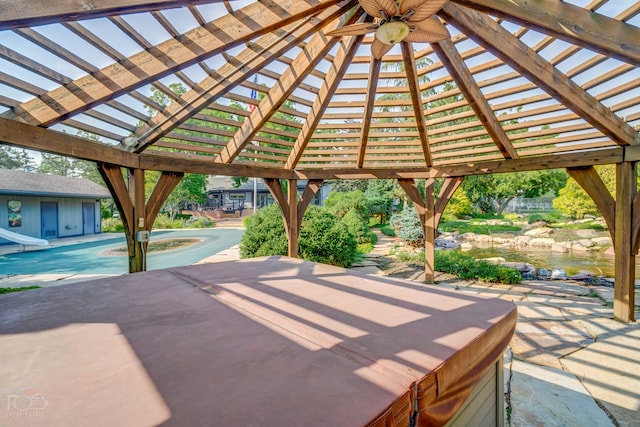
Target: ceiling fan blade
428 31
353 30
379 49
373 7
422 9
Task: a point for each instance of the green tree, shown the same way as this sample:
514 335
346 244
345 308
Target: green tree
54 164
575 203
341 203
492 193
15 158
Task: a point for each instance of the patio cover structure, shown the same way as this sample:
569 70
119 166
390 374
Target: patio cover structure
262 89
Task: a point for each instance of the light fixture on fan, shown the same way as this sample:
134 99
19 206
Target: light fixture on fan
392 32
396 21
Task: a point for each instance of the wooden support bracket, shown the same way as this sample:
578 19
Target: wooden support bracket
592 184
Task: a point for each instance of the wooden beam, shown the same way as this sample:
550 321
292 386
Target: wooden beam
488 33
625 265
416 99
144 67
425 209
310 190
592 184
163 188
568 22
253 59
334 75
447 190
293 232
30 13
137 260
114 180
372 85
453 61
49 141
306 61
635 234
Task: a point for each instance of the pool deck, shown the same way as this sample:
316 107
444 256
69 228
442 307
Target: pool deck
568 364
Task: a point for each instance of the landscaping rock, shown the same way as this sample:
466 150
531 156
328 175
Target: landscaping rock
541 241
587 243
579 248
602 241
539 232
524 268
587 233
447 243
523 240
558 274
466 246
560 248
543 273
582 275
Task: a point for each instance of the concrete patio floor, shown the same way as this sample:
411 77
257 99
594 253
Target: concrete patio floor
568 364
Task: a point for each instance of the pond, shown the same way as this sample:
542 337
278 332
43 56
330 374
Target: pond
572 262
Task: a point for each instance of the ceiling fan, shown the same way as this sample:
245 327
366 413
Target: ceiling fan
396 21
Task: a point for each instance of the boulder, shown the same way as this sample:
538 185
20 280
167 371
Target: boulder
523 240
543 273
560 248
587 243
466 246
524 268
541 241
579 248
447 243
582 275
539 232
602 241
586 233
558 274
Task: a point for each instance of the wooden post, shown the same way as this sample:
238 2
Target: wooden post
430 213
429 232
291 209
137 258
134 213
625 265
294 225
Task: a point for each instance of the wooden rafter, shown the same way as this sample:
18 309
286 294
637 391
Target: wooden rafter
301 67
22 13
343 58
372 85
568 22
254 58
416 99
489 34
194 46
452 60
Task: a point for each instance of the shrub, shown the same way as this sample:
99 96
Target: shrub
549 217
199 222
387 231
407 226
340 203
323 237
112 225
264 234
465 267
459 205
163 220
379 207
358 227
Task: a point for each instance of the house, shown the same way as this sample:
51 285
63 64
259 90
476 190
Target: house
49 206
222 195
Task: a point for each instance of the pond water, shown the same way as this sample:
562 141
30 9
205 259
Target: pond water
572 262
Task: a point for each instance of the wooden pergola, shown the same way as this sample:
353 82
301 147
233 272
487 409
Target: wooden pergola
259 89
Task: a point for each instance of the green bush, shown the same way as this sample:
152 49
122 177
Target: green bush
407 226
358 227
340 203
323 238
199 222
264 234
465 267
163 220
379 207
112 225
387 231
549 217
466 227
459 205
24 288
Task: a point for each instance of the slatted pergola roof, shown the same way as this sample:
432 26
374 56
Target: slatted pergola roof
258 88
